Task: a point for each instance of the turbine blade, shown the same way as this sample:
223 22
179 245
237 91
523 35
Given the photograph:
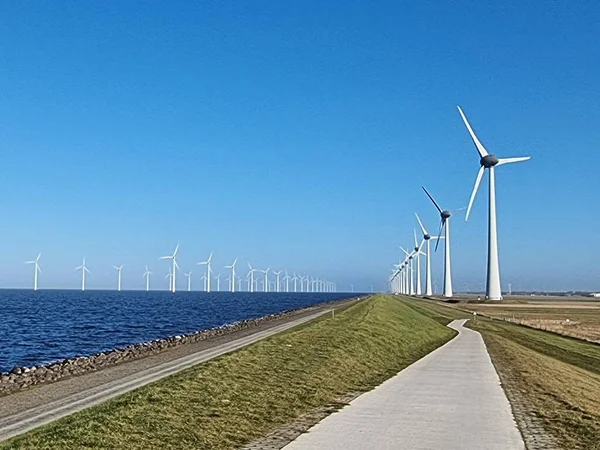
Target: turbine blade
38 258
437 241
176 250
401 248
480 148
421 224
502 161
431 198
416 241
474 193
86 269
210 257
166 257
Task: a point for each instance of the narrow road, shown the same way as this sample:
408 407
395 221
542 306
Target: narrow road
451 399
28 419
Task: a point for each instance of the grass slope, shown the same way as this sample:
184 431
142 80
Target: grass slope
551 379
239 397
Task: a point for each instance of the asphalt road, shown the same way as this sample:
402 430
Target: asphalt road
451 399
46 412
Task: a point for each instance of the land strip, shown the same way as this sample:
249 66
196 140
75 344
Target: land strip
38 405
232 400
552 381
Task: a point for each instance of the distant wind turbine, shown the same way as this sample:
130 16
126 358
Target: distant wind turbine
118 269
427 237
251 273
266 272
208 271
218 278
418 252
147 274
444 224
170 277
488 161
36 270
232 279
84 269
277 282
173 257
189 277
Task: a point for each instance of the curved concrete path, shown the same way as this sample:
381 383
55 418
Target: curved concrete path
450 399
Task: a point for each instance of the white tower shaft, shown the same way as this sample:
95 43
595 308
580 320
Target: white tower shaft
447 268
428 290
493 289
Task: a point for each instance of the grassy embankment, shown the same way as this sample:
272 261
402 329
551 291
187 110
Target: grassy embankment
551 378
234 399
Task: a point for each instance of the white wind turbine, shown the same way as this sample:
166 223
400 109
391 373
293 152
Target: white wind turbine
218 278
427 238
36 270
84 269
444 224
295 279
189 277
208 271
287 279
266 272
119 269
147 274
277 283
232 279
418 252
173 257
488 161
251 273
170 277
409 257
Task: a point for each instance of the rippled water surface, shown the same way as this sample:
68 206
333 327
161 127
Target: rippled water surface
45 326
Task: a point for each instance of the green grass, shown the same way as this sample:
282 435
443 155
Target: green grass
554 379
234 399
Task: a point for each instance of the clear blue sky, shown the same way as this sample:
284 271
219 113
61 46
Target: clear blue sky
296 135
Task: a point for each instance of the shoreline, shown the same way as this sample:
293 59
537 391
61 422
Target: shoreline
22 378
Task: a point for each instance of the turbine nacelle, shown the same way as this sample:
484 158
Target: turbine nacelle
488 161
445 214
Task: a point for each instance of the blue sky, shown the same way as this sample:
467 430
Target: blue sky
296 135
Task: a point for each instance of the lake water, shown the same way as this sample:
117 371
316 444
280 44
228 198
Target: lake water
46 326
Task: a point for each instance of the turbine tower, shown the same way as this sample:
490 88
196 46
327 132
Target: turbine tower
488 161
147 274
232 279
208 271
118 269
173 257
36 270
218 278
84 269
170 277
411 285
444 224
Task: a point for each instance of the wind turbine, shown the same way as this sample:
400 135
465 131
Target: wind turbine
444 224
119 269
287 279
232 267
173 257
488 161
218 278
170 277
189 277
147 274
84 269
427 238
208 271
295 278
418 252
36 270
251 273
409 257
266 272
277 283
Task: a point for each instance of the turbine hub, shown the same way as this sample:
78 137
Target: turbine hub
488 161
416 249
426 237
446 214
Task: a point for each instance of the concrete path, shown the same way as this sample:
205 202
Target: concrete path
21 422
450 399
